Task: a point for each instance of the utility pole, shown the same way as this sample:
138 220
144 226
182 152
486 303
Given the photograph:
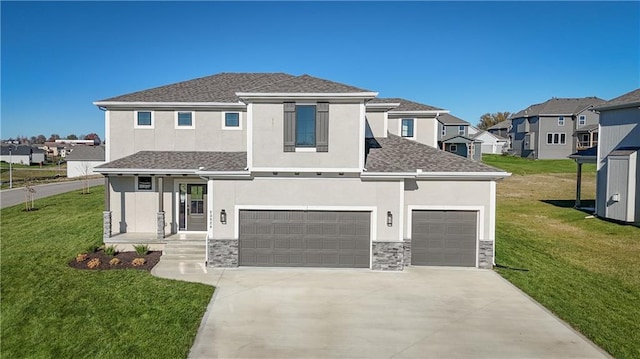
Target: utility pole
10 169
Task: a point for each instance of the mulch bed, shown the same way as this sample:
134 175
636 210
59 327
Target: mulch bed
152 258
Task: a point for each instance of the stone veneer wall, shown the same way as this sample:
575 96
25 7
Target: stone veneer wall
485 254
388 256
106 225
160 225
223 253
407 252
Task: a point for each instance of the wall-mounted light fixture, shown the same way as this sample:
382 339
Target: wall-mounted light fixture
389 219
223 217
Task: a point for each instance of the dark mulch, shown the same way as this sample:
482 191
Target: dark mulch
152 258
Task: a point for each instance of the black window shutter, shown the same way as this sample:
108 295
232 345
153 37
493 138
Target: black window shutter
289 127
322 127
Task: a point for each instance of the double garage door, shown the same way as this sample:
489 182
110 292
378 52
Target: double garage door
444 238
304 239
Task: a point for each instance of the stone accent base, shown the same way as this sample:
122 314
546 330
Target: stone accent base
388 256
106 225
160 225
223 253
407 252
485 254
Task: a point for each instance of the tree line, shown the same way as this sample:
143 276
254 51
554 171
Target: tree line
41 139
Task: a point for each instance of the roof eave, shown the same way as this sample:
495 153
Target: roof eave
144 171
419 112
147 104
305 95
225 174
436 175
617 107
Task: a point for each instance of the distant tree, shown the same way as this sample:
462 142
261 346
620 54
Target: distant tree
489 119
41 139
72 137
53 137
32 139
94 137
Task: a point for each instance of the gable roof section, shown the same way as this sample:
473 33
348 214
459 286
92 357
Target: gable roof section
448 119
305 84
86 153
559 106
20 150
503 125
459 139
396 154
406 105
630 99
177 161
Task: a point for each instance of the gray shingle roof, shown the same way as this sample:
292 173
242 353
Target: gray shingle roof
449 119
587 128
501 125
559 106
221 87
176 160
305 84
86 153
396 154
406 105
629 99
20 150
459 139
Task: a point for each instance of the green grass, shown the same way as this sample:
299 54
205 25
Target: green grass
524 166
585 270
49 310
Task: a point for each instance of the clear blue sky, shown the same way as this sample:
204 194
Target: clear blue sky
470 58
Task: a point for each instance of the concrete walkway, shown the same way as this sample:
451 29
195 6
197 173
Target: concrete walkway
423 312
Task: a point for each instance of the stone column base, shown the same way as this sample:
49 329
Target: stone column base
160 225
407 252
388 256
106 225
485 254
223 253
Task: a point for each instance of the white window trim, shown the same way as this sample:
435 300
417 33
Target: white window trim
193 120
232 128
306 149
582 120
444 131
560 143
415 128
135 120
461 132
561 118
153 184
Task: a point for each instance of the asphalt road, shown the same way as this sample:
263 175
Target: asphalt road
11 197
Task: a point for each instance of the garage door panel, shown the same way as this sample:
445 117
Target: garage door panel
299 238
444 238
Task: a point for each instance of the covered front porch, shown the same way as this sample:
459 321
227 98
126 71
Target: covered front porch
126 241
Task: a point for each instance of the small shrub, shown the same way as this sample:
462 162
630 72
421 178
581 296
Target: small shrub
81 257
110 250
136 262
91 248
114 262
94 262
141 249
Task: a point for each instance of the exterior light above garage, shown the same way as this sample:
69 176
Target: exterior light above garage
389 219
223 217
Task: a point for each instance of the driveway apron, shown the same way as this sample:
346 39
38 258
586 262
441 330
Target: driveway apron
422 312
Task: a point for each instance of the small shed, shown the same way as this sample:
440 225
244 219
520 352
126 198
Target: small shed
81 160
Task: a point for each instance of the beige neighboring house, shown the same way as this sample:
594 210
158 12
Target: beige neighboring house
272 169
81 160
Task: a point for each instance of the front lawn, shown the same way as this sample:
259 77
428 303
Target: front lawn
49 310
585 270
524 166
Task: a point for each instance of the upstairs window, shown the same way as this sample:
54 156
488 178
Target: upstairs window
144 119
582 120
232 120
306 126
407 127
184 120
444 130
461 130
561 121
556 138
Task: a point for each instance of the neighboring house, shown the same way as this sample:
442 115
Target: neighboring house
83 159
20 154
491 143
271 169
37 155
501 129
546 130
618 159
454 137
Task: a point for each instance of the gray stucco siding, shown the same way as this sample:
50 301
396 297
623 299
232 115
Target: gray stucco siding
207 134
344 139
591 117
548 125
376 123
425 128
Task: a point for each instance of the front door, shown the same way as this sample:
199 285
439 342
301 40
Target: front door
193 207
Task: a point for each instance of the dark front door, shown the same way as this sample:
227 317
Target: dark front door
193 203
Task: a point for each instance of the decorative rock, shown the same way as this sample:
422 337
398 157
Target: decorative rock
223 253
388 256
485 254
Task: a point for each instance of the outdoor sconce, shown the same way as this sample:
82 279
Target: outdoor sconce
389 219
223 217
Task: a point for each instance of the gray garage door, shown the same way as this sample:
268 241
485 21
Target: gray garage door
443 238
304 239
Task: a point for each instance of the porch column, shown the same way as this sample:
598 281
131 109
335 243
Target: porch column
211 217
160 216
106 214
578 184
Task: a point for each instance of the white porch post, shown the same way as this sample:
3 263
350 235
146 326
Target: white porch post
106 214
160 218
211 217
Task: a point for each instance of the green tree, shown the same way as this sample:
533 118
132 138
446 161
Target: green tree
72 137
489 119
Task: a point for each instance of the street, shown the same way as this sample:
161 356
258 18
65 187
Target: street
11 197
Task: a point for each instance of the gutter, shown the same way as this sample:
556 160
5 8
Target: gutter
419 174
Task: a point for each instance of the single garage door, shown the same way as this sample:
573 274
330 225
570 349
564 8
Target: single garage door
304 239
444 238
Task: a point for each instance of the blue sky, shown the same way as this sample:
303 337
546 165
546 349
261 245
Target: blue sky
468 57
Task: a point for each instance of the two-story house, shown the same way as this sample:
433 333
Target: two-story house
454 137
271 169
548 130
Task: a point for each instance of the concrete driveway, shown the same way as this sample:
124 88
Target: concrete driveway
423 312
